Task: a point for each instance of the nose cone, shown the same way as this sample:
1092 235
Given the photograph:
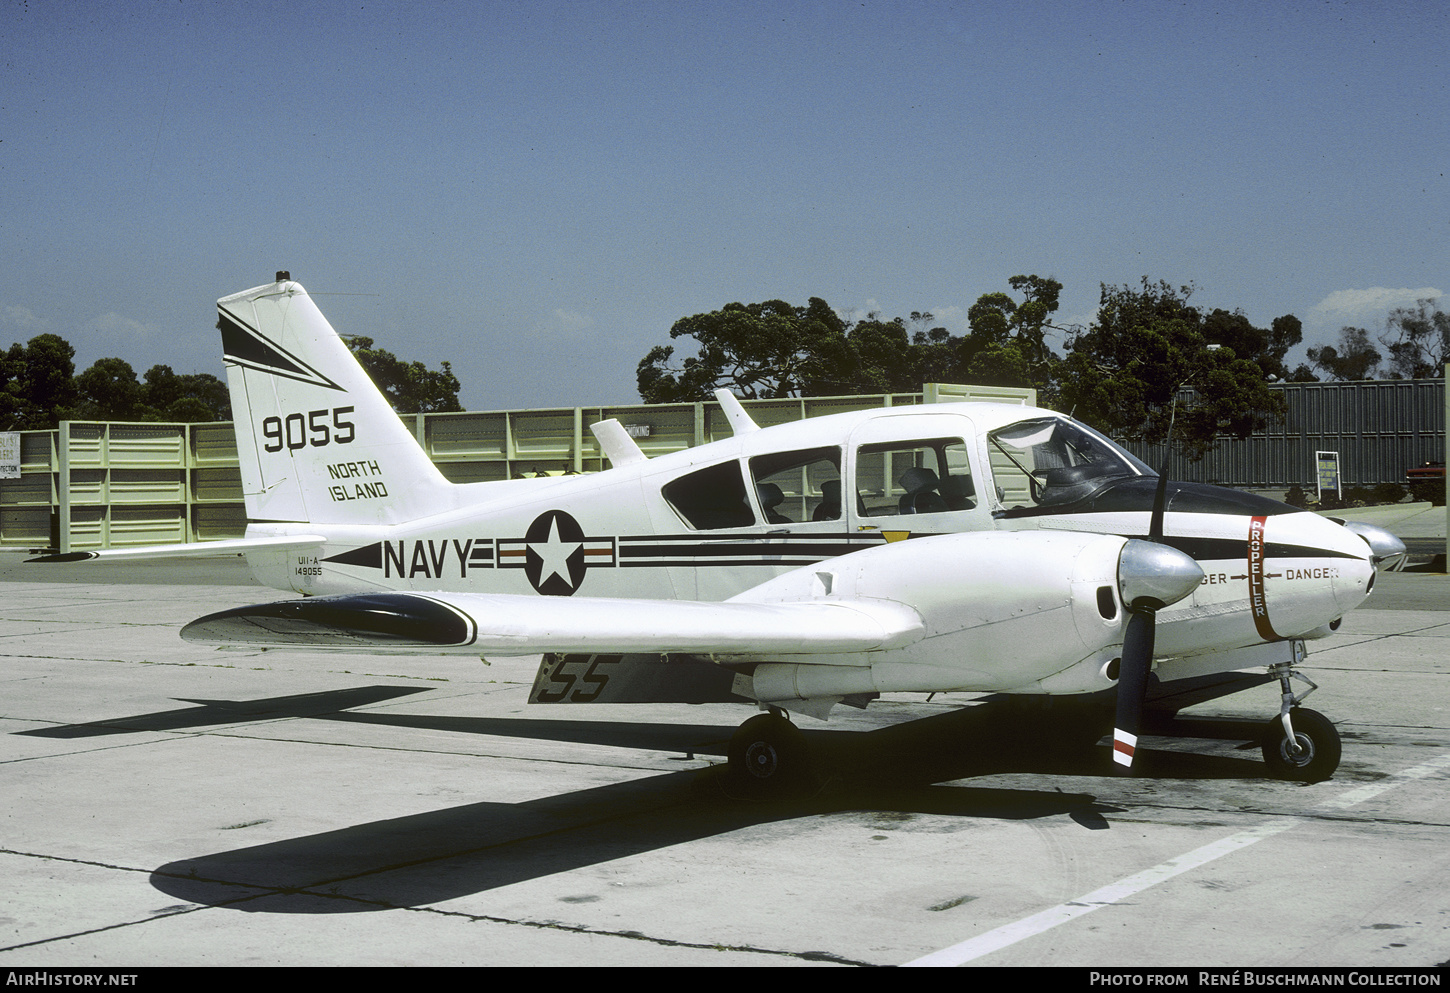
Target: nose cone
1154 575
1383 546
1353 573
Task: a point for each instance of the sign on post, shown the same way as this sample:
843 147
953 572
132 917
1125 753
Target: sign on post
1328 473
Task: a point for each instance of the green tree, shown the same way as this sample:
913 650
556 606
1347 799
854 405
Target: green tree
770 349
1418 340
1124 371
1355 358
933 351
1265 347
878 358
37 383
776 349
411 387
190 398
1007 345
109 391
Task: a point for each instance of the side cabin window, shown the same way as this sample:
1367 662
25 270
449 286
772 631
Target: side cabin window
794 487
929 476
711 498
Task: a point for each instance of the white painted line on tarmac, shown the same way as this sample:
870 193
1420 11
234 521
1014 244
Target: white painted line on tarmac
1010 934
1363 793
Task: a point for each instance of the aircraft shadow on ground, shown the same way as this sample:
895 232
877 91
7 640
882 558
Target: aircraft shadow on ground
429 858
424 859
212 713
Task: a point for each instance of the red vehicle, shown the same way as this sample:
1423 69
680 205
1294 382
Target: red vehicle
1430 470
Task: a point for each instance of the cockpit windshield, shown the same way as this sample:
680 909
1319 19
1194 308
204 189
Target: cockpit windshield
1050 461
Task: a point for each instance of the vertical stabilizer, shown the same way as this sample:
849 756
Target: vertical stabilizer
317 441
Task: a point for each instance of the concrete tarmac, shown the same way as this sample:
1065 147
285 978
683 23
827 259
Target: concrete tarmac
167 804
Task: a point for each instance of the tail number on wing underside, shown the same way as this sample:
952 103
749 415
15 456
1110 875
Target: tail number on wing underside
301 430
562 682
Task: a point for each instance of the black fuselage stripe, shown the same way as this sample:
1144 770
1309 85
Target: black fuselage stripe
846 536
1209 549
713 551
772 551
715 563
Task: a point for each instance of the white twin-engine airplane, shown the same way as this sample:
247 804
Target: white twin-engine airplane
979 547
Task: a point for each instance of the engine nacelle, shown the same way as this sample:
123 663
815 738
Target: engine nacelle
1000 610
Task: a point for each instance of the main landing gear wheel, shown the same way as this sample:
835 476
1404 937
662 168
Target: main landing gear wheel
1315 753
768 758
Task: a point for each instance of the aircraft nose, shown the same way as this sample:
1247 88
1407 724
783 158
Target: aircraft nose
1383 546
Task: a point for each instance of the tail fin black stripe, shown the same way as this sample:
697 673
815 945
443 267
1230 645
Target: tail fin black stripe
244 346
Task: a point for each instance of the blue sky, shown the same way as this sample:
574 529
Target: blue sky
535 191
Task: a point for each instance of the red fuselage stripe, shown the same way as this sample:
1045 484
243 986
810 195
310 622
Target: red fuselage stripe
1258 596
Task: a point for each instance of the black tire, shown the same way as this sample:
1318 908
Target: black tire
768 758
1315 735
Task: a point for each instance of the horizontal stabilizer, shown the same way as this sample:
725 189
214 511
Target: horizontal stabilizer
188 550
506 624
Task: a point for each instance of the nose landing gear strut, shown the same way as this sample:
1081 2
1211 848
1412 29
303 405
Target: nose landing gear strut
1300 745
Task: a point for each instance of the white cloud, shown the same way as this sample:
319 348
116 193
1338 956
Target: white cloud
563 322
112 323
1364 308
23 318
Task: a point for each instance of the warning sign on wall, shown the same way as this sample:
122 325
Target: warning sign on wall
9 454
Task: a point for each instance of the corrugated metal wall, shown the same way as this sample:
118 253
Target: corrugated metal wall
1379 429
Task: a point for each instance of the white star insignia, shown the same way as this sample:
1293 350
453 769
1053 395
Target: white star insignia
555 555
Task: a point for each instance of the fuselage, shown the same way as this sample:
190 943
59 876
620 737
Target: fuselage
711 522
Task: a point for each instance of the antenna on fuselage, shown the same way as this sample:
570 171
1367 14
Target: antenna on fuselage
1160 495
616 443
740 421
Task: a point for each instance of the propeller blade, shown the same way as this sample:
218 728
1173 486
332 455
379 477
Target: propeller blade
1149 590
1150 577
1160 499
1133 672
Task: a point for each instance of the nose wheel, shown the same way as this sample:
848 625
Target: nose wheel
769 758
1307 752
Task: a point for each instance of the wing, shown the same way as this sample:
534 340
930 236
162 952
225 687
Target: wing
505 624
